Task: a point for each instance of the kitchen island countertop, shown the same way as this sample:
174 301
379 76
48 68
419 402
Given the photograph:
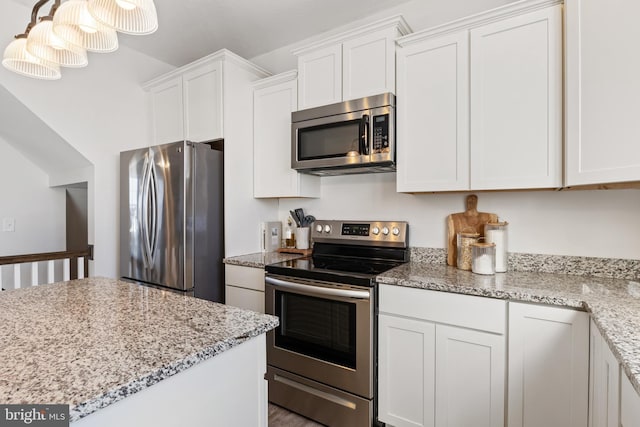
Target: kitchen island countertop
93 342
614 304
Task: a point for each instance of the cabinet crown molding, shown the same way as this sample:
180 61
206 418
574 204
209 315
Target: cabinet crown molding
222 55
277 79
397 21
502 12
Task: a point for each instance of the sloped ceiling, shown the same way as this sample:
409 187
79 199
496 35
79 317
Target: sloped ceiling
28 134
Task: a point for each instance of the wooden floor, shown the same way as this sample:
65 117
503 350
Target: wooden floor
280 417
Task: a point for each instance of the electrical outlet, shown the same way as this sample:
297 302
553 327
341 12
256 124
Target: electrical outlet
8 224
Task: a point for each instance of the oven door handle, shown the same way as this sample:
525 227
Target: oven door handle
318 290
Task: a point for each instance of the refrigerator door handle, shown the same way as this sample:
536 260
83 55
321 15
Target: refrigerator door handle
153 217
146 182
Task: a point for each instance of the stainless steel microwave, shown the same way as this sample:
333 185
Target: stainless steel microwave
356 136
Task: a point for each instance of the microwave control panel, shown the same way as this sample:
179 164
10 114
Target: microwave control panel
381 133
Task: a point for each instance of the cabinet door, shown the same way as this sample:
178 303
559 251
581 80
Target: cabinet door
406 366
167 111
602 92
604 382
516 102
470 378
629 404
320 77
369 65
272 173
248 299
433 115
203 102
548 366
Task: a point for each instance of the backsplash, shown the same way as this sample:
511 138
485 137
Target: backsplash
557 264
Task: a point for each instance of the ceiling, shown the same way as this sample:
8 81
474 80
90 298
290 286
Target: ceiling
191 29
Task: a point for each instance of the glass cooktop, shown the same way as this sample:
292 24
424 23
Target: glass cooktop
341 270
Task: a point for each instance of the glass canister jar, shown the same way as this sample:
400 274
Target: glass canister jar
483 258
496 232
464 241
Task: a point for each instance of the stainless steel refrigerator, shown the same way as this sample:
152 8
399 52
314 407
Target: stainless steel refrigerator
171 217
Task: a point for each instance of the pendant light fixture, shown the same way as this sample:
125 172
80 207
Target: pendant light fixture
127 16
73 22
44 44
63 37
17 59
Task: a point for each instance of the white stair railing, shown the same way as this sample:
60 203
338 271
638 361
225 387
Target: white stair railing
71 265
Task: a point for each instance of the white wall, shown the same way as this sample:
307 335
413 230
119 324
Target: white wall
38 211
100 110
582 223
419 14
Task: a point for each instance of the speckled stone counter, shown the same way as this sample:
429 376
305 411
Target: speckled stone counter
260 259
92 342
613 303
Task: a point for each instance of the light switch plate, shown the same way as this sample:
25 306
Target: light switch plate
8 224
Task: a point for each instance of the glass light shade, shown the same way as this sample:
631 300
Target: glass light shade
44 44
73 23
127 16
17 59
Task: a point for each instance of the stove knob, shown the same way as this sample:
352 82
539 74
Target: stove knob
327 229
385 230
319 228
375 230
395 231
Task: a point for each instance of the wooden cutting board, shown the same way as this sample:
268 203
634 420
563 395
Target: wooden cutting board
470 221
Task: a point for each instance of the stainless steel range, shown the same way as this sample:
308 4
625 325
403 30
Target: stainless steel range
322 358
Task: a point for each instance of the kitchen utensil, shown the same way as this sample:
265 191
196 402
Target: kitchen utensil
300 214
294 217
469 221
308 220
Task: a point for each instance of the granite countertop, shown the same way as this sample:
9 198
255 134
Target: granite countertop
260 259
92 342
614 304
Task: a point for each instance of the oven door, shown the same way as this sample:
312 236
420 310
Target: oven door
337 140
325 334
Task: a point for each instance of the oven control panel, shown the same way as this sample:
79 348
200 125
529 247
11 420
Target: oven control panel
370 233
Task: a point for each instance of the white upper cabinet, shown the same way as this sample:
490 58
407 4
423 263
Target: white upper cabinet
202 91
432 113
320 77
479 103
274 98
187 104
167 111
351 65
516 102
602 92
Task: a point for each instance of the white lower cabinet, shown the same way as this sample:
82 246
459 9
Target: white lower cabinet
604 382
441 359
244 287
629 404
548 366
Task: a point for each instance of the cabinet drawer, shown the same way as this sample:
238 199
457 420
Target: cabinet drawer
244 277
472 312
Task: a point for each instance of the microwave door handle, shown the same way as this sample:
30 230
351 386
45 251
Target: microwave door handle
364 135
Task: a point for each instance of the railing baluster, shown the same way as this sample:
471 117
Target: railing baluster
80 267
51 271
34 274
66 269
16 276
